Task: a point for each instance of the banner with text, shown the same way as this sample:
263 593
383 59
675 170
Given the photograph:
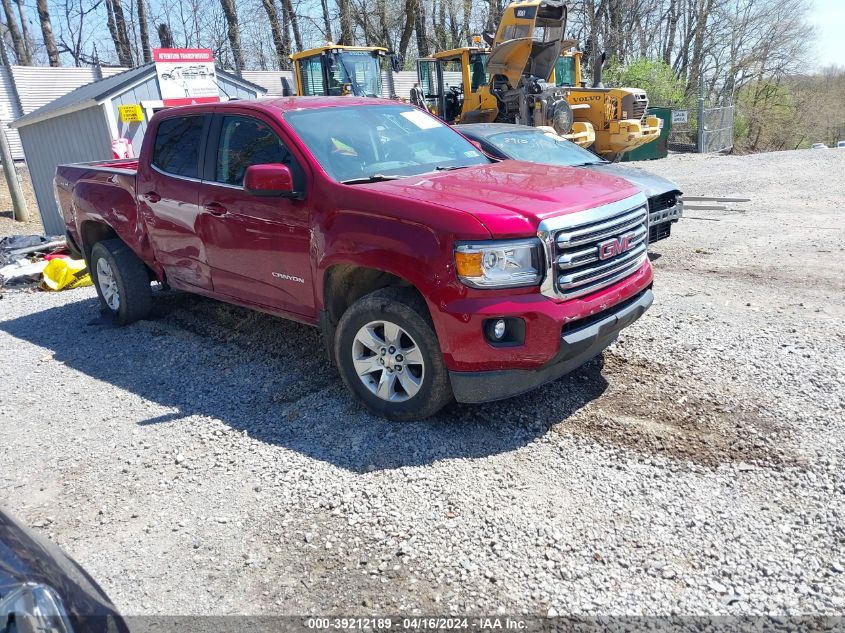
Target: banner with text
186 75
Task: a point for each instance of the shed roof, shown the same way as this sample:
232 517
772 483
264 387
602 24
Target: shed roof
98 91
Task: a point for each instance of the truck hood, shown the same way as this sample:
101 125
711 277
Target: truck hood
651 184
511 198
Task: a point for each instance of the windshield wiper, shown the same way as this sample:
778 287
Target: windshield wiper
373 178
450 167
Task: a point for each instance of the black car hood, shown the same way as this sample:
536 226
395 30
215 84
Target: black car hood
651 184
26 557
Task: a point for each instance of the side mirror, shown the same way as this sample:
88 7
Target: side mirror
273 179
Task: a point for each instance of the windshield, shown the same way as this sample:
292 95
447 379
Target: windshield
537 146
381 140
565 71
358 69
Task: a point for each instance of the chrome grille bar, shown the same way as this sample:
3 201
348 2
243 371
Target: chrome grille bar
591 254
619 275
575 244
595 273
601 230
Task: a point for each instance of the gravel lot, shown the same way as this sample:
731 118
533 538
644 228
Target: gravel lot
207 462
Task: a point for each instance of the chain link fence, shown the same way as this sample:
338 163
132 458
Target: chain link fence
716 135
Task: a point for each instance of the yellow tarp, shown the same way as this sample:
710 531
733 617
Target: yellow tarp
61 274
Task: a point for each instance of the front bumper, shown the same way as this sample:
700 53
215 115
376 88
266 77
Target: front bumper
577 346
660 222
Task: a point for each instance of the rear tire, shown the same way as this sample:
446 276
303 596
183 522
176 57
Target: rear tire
389 357
122 281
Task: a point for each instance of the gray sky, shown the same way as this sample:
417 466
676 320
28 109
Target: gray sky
829 18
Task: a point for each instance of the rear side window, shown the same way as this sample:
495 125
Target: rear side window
177 145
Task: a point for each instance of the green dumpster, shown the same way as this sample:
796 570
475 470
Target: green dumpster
658 148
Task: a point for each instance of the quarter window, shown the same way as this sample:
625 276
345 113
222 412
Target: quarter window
245 142
177 145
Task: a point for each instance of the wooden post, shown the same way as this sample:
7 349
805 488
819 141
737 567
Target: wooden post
19 210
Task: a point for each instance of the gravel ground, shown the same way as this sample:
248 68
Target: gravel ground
8 225
207 462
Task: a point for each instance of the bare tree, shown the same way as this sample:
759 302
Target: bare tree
347 36
282 49
47 33
22 55
116 21
327 23
25 34
287 7
165 37
234 33
143 27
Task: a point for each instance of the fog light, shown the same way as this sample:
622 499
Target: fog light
504 331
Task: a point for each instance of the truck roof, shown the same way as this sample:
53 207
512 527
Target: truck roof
285 104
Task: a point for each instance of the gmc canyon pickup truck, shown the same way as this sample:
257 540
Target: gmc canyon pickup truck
432 271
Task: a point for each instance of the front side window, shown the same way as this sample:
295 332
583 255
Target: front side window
537 146
565 71
177 145
312 76
244 142
381 140
478 70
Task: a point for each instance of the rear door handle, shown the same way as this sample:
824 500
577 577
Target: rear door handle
152 196
215 208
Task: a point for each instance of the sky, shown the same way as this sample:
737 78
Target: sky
829 18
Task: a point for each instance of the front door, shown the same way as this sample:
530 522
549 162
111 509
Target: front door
168 195
257 247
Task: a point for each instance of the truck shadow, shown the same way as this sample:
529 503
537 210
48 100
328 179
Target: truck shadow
269 377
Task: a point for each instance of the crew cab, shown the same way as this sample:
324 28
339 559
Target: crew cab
432 271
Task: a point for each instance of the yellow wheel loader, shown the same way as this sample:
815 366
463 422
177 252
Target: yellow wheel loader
618 115
334 70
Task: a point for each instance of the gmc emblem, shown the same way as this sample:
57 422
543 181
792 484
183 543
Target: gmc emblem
615 246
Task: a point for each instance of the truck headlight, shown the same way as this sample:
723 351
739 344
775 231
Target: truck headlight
34 607
499 263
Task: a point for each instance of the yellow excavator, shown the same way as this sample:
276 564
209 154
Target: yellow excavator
334 70
532 76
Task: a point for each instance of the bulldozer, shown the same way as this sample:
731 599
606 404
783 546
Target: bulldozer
618 115
334 70
521 77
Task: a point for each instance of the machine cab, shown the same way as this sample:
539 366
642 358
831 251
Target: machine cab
339 71
449 80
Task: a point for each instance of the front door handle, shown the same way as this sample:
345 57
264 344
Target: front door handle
152 196
215 208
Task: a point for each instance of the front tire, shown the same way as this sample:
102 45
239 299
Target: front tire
122 282
389 357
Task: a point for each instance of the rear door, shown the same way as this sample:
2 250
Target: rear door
167 187
257 247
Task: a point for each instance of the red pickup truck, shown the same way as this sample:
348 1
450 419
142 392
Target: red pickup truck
432 271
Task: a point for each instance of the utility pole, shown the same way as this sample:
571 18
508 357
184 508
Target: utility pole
19 210
701 148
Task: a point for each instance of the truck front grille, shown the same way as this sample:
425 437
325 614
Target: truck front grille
606 246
